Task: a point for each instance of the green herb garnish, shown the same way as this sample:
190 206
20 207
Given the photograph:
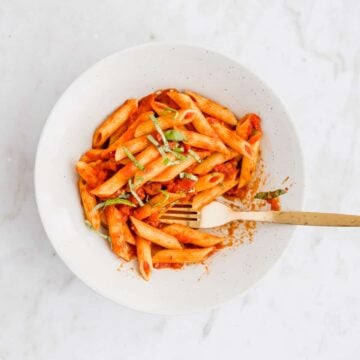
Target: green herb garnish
174 135
134 193
178 149
269 195
185 175
170 110
152 140
104 236
166 198
115 201
133 159
158 129
195 155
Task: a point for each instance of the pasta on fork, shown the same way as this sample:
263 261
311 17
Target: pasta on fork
168 147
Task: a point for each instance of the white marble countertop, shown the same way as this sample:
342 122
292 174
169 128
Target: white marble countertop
308 307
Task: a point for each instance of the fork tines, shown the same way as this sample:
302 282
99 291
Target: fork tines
181 214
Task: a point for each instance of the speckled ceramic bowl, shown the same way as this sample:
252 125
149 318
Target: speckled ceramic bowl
134 73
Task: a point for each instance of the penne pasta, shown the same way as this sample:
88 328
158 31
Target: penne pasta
205 197
248 165
165 122
134 146
113 122
208 181
117 134
89 202
169 147
157 203
183 256
204 142
129 237
155 235
211 161
143 251
130 132
91 155
174 170
233 140
200 122
152 169
119 179
212 108
87 173
117 233
187 235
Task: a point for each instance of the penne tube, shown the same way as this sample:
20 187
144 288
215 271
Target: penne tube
134 146
183 256
143 251
117 230
208 181
174 170
89 202
200 122
244 129
211 161
207 196
212 108
119 179
116 135
157 203
152 169
161 109
165 122
130 132
155 235
248 165
129 237
232 139
187 235
204 142
113 122
87 173
91 155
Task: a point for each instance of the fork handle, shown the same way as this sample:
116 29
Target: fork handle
299 218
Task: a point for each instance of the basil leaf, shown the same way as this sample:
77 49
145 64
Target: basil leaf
134 193
185 175
104 236
158 129
133 159
269 195
195 155
113 202
174 135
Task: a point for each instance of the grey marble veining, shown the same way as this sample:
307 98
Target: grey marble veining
308 306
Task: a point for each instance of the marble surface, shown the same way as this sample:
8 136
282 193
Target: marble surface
308 307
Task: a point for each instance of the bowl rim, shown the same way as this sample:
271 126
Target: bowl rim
41 211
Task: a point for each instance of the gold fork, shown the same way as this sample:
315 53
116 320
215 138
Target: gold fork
217 214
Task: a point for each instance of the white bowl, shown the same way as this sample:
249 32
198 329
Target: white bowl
67 134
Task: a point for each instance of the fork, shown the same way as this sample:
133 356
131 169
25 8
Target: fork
217 214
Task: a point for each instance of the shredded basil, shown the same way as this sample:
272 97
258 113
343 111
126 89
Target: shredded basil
174 135
185 175
195 155
166 198
113 202
158 129
152 140
133 159
104 236
269 195
170 110
134 193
